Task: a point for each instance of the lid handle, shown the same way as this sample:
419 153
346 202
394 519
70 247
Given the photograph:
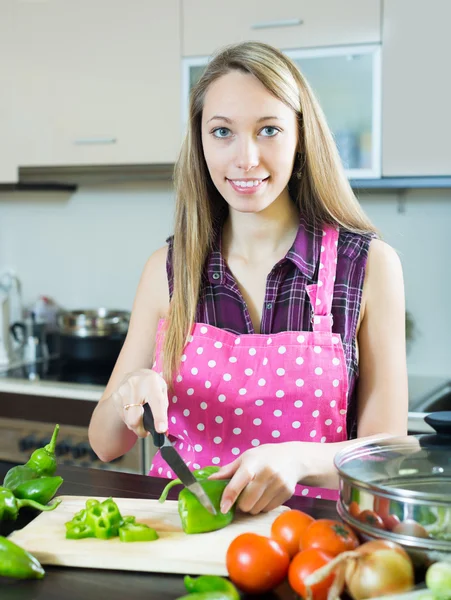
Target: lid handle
440 421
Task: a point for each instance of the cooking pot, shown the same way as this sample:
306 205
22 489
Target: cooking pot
92 334
399 489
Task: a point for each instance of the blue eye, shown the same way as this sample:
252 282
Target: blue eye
221 132
272 131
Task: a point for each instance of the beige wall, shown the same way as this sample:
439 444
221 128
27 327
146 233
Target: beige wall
87 249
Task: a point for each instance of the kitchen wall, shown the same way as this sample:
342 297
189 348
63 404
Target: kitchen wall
87 249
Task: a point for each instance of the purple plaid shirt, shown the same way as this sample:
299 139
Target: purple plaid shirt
287 305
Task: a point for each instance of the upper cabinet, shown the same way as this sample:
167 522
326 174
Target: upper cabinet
281 23
99 82
416 88
8 139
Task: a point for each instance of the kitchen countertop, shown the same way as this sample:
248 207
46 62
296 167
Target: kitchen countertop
90 584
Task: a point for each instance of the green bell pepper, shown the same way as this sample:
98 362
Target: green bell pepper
18 475
17 563
40 490
195 518
209 587
137 532
199 474
10 505
43 460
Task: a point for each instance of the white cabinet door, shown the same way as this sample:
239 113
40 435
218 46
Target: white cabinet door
208 24
99 82
8 108
416 84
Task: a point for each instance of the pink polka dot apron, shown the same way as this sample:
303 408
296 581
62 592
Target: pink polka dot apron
235 392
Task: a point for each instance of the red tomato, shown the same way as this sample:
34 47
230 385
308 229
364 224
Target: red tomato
390 522
288 527
354 509
330 536
381 506
303 565
256 563
369 517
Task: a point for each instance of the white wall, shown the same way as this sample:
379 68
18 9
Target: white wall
88 249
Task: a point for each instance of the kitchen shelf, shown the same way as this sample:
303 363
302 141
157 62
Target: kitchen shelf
69 178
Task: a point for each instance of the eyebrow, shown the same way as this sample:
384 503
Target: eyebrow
227 120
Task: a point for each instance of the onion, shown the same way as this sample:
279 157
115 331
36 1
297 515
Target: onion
376 568
438 579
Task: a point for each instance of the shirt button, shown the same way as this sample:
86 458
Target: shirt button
269 305
215 275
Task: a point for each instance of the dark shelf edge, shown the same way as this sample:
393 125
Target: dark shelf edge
38 187
401 183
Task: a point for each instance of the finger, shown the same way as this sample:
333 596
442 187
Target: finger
270 499
277 501
242 477
226 471
251 495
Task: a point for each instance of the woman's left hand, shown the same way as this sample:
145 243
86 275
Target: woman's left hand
263 478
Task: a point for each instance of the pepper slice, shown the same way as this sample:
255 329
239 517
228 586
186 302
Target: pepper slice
199 474
40 490
10 505
17 563
195 518
137 532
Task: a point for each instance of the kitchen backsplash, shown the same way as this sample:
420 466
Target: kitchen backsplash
88 249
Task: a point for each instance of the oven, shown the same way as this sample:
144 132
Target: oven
34 399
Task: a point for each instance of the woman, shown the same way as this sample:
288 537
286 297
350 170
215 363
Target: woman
274 318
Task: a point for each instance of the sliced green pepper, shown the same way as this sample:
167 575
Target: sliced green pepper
40 490
137 532
195 518
10 505
211 583
199 474
213 595
17 563
43 460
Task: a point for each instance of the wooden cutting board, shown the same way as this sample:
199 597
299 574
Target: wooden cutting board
173 552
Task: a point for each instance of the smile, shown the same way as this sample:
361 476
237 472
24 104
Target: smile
247 186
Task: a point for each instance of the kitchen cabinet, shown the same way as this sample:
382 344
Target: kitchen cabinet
99 82
346 81
285 23
8 115
416 88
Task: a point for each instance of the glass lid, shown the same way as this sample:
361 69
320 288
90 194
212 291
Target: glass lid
415 467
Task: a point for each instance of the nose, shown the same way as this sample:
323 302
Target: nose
247 156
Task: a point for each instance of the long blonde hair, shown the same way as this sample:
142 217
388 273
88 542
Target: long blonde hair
318 184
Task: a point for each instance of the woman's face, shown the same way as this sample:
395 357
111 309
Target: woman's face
250 140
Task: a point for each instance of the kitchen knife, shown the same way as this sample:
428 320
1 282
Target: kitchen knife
175 461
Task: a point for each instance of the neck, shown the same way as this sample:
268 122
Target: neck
267 234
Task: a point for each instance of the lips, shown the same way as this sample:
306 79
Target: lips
247 186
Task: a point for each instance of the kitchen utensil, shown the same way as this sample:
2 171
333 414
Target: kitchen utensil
92 335
173 552
399 488
175 461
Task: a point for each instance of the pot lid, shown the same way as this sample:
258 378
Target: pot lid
414 467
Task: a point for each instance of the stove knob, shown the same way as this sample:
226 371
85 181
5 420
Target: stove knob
28 442
80 450
63 447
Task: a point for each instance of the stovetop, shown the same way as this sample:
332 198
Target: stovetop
64 370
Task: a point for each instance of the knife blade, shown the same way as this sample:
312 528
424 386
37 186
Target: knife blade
175 461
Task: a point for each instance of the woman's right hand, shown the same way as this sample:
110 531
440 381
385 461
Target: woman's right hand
137 388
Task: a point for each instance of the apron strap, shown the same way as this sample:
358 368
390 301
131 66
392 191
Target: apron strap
321 293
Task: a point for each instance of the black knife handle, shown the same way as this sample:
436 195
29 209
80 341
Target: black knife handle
149 425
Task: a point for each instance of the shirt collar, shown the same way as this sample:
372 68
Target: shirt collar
303 253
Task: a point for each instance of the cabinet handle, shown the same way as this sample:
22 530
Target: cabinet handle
95 140
281 23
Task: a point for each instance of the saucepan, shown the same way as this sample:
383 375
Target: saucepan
399 489
92 334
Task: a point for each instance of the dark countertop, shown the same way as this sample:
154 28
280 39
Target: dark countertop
91 584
